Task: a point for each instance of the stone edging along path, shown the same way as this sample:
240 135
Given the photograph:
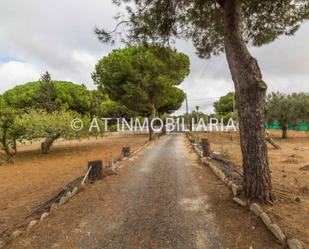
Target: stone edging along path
253 207
64 199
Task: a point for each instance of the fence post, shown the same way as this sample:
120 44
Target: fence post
206 148
96 171
125 151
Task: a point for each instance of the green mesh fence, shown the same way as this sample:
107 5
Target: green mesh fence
276 126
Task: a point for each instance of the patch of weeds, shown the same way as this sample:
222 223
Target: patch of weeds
225 153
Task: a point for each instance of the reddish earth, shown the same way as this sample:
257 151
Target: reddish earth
291 184
34 178
162 197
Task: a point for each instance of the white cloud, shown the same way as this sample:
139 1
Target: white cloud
85 61
14 73
58 36
84 58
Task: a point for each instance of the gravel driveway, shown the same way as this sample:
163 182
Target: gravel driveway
160 205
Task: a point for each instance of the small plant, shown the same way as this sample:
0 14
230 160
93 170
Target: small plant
225 153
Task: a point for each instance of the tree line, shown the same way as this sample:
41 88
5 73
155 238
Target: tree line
131 82
43 110
286 109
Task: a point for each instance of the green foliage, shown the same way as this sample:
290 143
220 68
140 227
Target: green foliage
287 108
73 97
197 116
194 117
2 104
47 94
97 98
112 109
52 126
70 96
174 101
22 96
228 116
224 108
19 127
102 106
45 109
214 27
7 119
279 108
43 124
225 104
301 103
202 21
11 131
141 77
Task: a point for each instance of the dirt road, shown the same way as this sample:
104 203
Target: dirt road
161 199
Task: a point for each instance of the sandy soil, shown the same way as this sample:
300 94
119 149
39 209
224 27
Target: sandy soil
163 197
291 185
34 178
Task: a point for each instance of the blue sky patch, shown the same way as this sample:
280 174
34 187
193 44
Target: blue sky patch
7 58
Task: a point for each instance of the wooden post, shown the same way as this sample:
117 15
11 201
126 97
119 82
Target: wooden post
271 141
126 151
96 172
206 148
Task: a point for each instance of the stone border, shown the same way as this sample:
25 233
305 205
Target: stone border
63 200
253 207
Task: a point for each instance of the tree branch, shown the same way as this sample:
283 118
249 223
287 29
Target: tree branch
107 37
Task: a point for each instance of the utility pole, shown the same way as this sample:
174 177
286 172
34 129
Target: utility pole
197 114
187 111
187 108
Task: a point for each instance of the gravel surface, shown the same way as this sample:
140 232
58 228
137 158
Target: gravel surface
160 206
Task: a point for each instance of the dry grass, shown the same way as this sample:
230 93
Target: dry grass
34 178
291 184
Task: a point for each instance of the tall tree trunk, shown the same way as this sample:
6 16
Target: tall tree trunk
250 98
284 132
48 143
163 132
150 118
6 147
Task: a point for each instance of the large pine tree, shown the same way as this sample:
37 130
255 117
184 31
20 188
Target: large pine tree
227 26
47 94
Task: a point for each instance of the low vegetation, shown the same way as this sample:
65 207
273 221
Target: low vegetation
287 110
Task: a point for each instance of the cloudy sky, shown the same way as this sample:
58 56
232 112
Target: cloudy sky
57 36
